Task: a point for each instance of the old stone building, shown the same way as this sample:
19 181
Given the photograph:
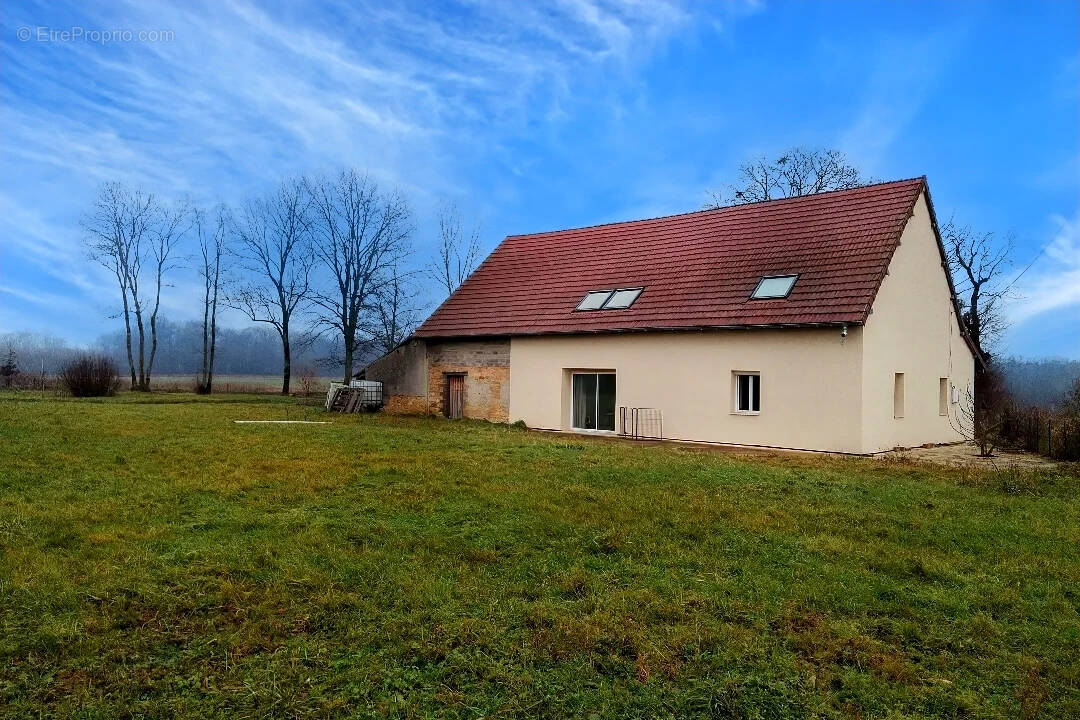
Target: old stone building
421 377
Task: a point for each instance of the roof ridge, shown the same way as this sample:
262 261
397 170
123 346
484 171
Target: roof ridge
725 208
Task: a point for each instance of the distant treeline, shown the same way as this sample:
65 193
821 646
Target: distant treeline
248 351
1039 383
252 350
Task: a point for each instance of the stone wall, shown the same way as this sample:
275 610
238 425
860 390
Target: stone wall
486 366
402 371
407 405
414 377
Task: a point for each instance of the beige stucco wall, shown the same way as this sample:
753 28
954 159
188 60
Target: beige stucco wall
810 383
913 329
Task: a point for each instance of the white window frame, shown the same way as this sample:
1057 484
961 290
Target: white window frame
596 408
757 288
735 375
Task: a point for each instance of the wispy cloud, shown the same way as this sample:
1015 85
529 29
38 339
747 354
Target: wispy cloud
245 92
1053 284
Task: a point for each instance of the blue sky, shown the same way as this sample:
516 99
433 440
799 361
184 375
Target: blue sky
534 117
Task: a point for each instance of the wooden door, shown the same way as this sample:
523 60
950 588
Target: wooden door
455 396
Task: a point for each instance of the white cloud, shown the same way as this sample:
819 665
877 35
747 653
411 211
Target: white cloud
246 93
1053 283
899 80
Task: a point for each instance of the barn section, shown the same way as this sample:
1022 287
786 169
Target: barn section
455 378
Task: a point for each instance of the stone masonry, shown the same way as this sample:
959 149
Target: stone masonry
486 366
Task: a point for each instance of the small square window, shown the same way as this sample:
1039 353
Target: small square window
594 300
622 299
747 393
777 286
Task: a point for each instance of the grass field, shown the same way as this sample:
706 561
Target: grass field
158 560
244 383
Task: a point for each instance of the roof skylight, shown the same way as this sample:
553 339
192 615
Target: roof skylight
594 300
609 299
774 286
622 298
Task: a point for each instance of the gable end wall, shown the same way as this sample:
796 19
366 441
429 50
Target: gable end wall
913 329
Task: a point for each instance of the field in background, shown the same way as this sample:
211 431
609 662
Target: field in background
157 559
242 383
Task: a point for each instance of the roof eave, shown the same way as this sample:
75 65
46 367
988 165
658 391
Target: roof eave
657 328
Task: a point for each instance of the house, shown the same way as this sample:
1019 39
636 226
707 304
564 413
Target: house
824 322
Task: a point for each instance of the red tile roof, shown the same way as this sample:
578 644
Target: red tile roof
698 269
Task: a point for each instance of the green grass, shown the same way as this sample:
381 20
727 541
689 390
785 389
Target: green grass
157 560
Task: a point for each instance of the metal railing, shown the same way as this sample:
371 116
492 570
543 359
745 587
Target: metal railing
641 423
1041 432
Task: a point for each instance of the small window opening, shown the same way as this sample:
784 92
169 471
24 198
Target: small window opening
898 395
594 300
622 299
943 396
774 286
747 393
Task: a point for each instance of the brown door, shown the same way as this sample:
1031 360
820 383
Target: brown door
455 396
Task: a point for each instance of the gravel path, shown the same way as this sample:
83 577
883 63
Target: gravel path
966 455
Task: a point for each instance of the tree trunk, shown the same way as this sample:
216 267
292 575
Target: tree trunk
153 347
286 356
143 384
350 348
205 340
213 342
127 337
204 371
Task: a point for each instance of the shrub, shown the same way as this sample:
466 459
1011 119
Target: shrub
1070 404
308 383
9 371
89 375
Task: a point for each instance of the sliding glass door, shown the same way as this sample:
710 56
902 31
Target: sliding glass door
594 401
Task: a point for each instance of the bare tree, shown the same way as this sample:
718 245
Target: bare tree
274 243
213 246
127 231
979 264
797 172
171 224
980 416
9 371
1070 402
397 312
361 234
458 251
980 427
